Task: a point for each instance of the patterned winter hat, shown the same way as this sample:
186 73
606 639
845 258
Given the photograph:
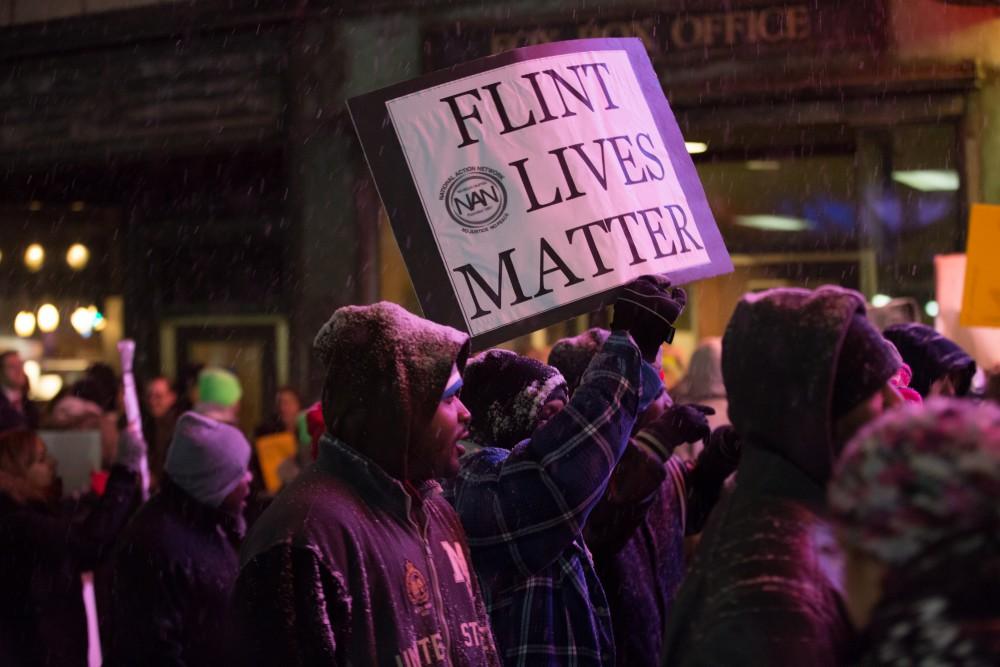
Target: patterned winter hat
504 392
918 476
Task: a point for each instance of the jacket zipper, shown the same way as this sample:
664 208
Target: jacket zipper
438 601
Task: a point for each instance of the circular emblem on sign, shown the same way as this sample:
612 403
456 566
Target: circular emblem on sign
476 198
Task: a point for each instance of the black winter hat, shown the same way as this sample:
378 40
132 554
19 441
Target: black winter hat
931 356
504 392
865 364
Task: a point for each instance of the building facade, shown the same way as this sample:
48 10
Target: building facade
205 152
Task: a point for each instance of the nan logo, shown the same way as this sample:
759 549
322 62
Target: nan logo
475 198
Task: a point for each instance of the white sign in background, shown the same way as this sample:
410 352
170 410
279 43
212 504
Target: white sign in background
623 176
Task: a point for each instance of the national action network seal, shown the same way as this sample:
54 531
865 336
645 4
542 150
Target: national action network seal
476 199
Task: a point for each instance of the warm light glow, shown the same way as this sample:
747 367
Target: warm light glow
695 147
77 256
34 257
48 386
35 205
928 180
33 371
99 322
880 300
24 323
932 309
763 165
773 223
48 318
77 206
82 320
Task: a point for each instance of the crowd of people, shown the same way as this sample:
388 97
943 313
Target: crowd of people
815 492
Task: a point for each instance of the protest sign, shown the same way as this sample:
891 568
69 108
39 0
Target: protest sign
526 187
982 343
981 295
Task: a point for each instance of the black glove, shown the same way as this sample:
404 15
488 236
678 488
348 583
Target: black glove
721 454
647 308
677 425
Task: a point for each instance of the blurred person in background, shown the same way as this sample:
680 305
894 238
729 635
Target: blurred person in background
219 394
176 562
939 366
158 427
46 544
702 384
284 419
915 501
91 404
16 409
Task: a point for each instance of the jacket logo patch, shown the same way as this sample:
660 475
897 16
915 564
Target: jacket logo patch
416 586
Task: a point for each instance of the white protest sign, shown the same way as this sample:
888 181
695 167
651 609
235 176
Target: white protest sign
525 188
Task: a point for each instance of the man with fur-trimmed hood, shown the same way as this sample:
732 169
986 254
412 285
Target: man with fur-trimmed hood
360 560
803 371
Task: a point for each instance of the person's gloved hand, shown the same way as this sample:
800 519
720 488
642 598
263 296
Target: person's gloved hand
131 449
677 425
721 454
647 308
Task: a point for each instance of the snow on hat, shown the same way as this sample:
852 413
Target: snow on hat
571 356
219 387
386 370
207 458
504 392
918 476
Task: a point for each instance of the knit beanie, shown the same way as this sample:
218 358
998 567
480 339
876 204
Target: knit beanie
206 458
571 356
865 363
931 356
219 387
504 391
917 476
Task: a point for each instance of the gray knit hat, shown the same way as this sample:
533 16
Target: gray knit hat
207 458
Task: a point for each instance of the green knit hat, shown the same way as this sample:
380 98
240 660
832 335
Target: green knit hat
219 386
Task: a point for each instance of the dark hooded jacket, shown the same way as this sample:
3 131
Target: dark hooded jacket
931 356
174 569
765 587
43 550
350 565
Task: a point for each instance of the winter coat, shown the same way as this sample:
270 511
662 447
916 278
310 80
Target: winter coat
524 510
765 587
43 551
350 565
173 572
346 567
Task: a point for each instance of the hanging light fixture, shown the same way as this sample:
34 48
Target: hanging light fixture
34 257
77 256
82 321
24 323
48 318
